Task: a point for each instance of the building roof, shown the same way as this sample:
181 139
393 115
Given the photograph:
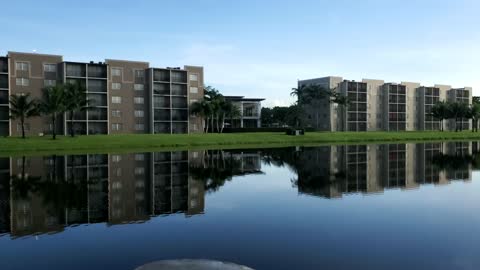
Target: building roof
242 98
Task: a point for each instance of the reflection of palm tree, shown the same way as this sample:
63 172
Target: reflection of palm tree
24 184
217 169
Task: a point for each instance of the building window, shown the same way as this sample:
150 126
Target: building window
138 100
116 86
23 82
138 87
49 68
48 83
194 77
139 113
139 73
116 72
22 66
116 127
139 171
116 100
118 172
194 90
139 127
116 113
139 157
116 158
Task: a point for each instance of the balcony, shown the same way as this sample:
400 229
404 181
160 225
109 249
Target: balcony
179 128
179 89
97 86
179 115
179 102
161 115
161 128
161 102
160 75
3 81
97 128
98 114
76 70
97 71
179 76
3 65
97 100
4 114
3 97
161 88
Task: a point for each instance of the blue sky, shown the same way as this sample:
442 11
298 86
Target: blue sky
260 48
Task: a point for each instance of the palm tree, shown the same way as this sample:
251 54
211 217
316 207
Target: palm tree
202 109
474 114
229 110
314 95
458 110
53 103
75 101
23 107
440 112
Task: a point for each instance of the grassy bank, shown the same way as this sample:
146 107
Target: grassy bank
144 142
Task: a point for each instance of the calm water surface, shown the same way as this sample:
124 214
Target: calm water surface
401 206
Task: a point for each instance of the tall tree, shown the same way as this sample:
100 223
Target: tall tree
202 109
314 96
229 110
458 111
75 101
52 104
440 112
474 114
23 107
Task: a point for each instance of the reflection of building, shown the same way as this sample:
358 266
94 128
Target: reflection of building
376 105
4 195
124 96
250 112
49 193
332 171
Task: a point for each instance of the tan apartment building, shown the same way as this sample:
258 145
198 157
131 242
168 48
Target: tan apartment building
124 96
378 106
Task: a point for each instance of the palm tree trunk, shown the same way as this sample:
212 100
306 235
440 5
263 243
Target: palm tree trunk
54 134
72 130
223 123
22 122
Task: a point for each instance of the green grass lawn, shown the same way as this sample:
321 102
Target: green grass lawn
147 142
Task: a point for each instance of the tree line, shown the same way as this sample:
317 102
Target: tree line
458 111
313 95
214 109
56 100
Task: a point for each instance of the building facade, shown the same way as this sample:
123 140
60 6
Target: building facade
378 106
124 96
250 112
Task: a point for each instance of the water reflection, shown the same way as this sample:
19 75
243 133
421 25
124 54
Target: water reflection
46 194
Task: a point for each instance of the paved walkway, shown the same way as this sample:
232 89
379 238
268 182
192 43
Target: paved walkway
192 265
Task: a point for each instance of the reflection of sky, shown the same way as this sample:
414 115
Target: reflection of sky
262 222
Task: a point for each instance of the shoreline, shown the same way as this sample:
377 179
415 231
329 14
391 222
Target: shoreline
15 146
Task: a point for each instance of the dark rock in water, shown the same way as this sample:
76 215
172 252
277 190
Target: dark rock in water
191 265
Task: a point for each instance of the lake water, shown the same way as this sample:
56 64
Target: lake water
399 206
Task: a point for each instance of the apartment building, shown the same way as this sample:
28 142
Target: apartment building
375 105
250 112
124 96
